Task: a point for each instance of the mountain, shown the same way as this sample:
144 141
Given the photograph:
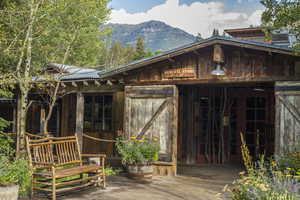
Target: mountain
157 35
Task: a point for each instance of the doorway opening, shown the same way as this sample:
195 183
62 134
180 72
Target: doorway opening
211 118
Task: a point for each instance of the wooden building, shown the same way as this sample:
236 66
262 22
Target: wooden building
197 99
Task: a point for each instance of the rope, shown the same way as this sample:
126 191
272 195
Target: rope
33 135
98 139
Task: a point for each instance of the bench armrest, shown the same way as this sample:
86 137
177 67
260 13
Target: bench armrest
94 155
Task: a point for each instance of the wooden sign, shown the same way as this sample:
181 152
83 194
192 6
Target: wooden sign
182 72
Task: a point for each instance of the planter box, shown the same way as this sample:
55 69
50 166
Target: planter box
140 172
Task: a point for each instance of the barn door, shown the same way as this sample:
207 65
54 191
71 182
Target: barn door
151 111
287 115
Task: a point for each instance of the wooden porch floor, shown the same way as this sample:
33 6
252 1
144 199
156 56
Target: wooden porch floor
192 183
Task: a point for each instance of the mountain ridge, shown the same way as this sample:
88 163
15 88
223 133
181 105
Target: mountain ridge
157 35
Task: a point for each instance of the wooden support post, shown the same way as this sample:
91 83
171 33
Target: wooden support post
58 120
79 118
42 119
14 127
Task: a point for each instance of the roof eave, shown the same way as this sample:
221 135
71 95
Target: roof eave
207 42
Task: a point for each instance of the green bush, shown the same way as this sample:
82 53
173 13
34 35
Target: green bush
135 151
12 170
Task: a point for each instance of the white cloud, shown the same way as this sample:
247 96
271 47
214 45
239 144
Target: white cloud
197 17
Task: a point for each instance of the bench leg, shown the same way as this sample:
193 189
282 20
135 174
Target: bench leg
103 173
53 184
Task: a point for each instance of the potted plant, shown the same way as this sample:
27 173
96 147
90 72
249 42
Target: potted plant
15 177
138 155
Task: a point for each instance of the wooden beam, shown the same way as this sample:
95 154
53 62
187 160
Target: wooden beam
63 84
85 83
74 84
196 52
108 82
79 118
42 119
97 83
171 60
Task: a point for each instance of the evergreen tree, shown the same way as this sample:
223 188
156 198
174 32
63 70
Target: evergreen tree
140 50
215 32
199 37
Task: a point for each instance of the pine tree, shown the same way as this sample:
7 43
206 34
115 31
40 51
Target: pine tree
140 50
215 32
199 37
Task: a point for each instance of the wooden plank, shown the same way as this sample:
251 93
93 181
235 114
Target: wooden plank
153 118
290 107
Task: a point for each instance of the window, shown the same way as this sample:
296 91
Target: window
97 112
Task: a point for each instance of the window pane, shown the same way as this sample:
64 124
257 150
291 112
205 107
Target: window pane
88 114
107 124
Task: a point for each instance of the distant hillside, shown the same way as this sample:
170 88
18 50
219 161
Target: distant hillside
157 35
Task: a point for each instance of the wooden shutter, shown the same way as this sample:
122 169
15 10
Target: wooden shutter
152 111
287 124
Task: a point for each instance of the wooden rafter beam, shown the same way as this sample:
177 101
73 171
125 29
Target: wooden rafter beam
97 83
171 60
85 83
63 84
108 82
74 84
196 52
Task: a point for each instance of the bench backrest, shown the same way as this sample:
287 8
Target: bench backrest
53 151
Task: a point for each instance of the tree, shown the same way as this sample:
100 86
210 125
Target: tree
284 14
215 32
199 37
35 32
140 50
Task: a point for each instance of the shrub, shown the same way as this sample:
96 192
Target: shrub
12 170
265 180
138 151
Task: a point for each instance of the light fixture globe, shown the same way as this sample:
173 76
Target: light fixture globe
218 71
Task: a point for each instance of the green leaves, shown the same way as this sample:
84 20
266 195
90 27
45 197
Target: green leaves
138 151
284 14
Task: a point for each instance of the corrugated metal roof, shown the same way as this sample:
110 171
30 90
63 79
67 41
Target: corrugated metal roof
76 73
156 58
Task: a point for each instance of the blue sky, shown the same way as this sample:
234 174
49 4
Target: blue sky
193 16
134 6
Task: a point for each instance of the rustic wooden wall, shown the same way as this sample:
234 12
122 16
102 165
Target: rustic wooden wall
287 115
240 64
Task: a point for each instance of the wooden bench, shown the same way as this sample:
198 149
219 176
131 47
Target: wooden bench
58 166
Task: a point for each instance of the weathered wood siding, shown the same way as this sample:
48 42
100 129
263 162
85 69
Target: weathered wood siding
287 115
152 111
240 64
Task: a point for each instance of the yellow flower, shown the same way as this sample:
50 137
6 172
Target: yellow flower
273 164
133 138
289 168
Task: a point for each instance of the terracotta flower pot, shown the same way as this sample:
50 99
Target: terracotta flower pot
140 172
9 192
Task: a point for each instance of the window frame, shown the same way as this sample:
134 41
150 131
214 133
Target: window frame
95 112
